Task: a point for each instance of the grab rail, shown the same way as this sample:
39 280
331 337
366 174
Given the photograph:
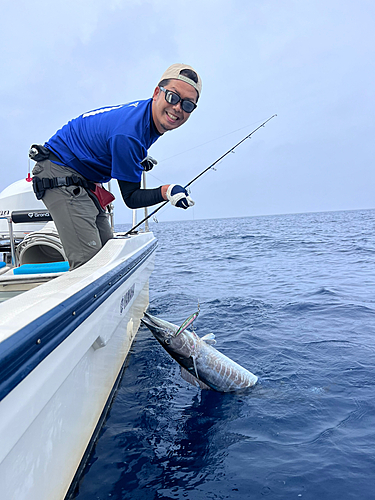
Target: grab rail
134 215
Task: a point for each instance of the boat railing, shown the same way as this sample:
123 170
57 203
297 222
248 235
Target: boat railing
19 217
146 210
134 219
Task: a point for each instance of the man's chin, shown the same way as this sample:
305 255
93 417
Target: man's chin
170 126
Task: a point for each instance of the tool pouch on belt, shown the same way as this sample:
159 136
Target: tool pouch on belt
103 196
39 153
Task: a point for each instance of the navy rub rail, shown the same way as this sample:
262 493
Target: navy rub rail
26 348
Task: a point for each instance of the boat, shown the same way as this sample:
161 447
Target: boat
64 340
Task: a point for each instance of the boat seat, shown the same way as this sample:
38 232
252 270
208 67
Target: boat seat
48 267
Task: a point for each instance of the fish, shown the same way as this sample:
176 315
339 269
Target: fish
201 364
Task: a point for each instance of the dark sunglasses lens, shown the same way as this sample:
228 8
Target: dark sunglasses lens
188 106
172 98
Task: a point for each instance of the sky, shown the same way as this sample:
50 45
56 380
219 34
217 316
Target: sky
311 62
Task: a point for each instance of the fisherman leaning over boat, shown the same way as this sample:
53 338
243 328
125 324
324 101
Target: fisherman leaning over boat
107 143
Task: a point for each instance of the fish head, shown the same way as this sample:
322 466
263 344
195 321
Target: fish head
162 330
177 344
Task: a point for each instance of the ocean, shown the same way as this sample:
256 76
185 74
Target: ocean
289 297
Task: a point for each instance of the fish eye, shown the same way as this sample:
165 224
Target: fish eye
167 341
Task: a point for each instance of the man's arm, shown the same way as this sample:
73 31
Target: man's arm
135 197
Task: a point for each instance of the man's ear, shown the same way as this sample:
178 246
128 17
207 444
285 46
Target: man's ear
156 93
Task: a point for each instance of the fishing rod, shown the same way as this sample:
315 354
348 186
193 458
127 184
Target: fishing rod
199 175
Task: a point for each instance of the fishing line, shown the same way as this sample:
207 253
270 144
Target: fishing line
204 143
150 174
231 150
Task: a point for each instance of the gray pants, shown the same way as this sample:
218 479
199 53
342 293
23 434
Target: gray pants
82 227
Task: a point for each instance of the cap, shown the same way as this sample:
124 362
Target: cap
173 72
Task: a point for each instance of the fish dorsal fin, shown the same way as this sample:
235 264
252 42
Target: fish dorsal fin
209 339
186 323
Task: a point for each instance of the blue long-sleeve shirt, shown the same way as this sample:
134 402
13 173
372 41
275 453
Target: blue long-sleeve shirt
108 142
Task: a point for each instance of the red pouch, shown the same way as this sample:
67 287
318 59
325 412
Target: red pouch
103 196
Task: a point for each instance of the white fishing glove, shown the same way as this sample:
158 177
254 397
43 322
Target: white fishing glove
179 197
148 163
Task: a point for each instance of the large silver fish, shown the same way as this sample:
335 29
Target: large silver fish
201 364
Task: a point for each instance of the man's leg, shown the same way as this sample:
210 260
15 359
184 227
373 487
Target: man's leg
105 230
74 214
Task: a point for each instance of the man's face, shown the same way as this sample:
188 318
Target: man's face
170 116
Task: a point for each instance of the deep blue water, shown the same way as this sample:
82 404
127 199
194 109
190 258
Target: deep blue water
289 297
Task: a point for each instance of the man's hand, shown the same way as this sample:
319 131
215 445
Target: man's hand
148 163
178 196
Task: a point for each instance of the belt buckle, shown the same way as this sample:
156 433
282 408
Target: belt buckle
60 181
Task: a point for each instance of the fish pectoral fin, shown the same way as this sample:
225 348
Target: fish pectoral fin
193 380
209 339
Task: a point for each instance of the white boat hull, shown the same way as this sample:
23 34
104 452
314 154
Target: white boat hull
62 347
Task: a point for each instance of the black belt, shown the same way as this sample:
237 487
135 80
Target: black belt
40 185
39 153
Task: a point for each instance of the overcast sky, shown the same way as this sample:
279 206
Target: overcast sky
310 61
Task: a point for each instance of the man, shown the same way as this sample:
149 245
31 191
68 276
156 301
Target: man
110 143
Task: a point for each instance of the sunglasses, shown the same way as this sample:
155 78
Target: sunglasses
173 98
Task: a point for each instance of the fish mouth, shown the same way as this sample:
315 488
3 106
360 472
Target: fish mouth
150 321
158 327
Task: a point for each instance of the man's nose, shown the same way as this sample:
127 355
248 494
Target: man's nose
179 105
